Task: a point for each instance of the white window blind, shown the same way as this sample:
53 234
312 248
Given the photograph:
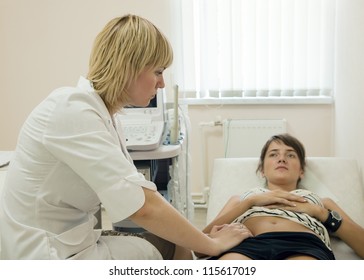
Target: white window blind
241 49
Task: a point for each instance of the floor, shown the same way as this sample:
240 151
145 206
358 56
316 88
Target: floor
199 219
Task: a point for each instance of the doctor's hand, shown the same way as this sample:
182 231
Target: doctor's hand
229 235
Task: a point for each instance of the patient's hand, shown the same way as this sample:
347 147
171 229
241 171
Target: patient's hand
275 199
311 209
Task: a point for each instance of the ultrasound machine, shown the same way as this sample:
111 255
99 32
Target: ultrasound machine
143 128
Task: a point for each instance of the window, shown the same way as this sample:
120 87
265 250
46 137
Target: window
254 50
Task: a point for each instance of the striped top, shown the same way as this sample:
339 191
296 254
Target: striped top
302 218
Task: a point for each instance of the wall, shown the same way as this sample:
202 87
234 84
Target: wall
349 108
46 44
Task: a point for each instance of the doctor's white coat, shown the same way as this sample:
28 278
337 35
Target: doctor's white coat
70 157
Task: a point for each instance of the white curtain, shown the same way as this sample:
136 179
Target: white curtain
254 48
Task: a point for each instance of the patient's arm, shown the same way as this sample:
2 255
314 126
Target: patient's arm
228 213
235 206
349 231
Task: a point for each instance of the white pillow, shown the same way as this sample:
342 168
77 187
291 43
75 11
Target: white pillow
312 183
343 178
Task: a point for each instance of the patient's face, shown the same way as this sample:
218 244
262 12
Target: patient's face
282 166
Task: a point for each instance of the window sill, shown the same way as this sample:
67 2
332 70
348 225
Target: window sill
296 100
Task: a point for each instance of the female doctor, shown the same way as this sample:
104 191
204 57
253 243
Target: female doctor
71 156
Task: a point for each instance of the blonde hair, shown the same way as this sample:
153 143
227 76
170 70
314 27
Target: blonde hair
121 51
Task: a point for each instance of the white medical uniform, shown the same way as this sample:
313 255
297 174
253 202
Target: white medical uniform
69 159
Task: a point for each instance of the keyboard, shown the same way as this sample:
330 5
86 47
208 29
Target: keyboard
143 136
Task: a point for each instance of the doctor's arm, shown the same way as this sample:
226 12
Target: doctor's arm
163 220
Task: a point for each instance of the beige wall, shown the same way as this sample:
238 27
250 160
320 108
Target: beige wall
46 43
349 108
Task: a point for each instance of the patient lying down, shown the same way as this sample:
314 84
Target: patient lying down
286 222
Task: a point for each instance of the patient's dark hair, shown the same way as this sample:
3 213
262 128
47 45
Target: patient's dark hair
288 140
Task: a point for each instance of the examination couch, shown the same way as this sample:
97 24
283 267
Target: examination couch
337 178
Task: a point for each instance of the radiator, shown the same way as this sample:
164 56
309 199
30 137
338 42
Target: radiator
245 138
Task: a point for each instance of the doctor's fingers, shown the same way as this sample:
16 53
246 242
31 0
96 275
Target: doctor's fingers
237 228
216 228
239 232
230 235
233 227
